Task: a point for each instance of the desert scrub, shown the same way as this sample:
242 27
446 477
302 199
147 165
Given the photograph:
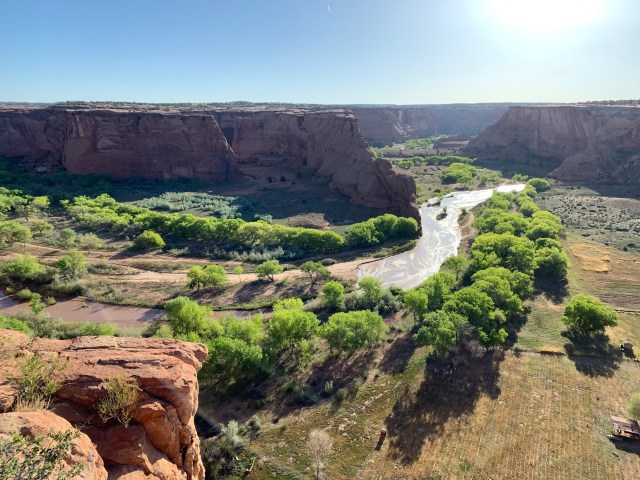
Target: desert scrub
120 397
38 458
37 381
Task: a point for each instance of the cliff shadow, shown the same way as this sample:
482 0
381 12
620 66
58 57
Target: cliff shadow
450 388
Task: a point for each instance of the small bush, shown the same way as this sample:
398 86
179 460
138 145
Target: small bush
120 397
24 295
148 240
328 261
37 381
328 387
341 394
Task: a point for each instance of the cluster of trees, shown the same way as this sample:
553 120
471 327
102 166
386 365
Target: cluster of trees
241 349
503 260
379 229
103 212
433 160
459 173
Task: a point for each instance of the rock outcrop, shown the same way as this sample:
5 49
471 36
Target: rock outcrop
161 440
576 143
384 125
221 145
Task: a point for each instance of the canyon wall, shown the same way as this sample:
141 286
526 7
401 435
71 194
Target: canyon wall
220 145
576 143
160 442
384 125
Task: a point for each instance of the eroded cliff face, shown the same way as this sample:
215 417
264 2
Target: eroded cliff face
325 146
227 145
160 442
578 143
386 125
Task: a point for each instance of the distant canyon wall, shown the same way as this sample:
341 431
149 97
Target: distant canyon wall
220 146
384 125
577 143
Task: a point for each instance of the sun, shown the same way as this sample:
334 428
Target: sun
545 15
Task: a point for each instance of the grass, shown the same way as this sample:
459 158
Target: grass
537 417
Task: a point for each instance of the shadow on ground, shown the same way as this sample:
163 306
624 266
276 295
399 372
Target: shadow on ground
451 387
593 355
397 357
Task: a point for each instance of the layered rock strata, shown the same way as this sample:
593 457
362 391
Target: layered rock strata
161 440
577 143
223 145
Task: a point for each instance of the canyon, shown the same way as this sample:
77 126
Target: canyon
575 143
228 144
160 442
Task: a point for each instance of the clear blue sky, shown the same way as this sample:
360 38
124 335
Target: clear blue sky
319 51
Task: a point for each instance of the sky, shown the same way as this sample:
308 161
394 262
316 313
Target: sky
320 51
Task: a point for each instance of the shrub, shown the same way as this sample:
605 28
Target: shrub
10 323
37 381
120 397
38 458
148 240
24 268
342 394
540 184
25 294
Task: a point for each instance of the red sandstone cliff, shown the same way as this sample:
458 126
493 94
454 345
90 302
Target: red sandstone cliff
384 125
160 442
580 143
166 142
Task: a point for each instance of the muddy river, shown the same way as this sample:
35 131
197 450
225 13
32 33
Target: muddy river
440 239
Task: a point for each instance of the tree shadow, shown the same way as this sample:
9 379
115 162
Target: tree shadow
397 357
593 355
555 289
451 388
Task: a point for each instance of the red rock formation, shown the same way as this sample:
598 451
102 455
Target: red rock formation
161 441
384 125
37 424
321 145
580 143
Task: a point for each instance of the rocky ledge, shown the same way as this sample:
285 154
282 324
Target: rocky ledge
160 442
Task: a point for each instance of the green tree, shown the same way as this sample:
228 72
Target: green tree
438 289
587 314
41 227
185 316
230 360
371 290
289 327
416 302
540 184
440 331
551 262
362 235
209 276
333 294
269 269
502 250
238 270
66 238
519 282
73 265
12 232
148 240
352 331
456 264
36 305
315 270
24 268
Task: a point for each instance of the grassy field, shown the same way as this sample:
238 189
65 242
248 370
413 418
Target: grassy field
508 416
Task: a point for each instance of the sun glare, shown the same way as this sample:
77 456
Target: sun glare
545 15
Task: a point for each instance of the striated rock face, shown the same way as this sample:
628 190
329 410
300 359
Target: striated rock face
161 441
223 146
579 143
389 124
323 145
157 146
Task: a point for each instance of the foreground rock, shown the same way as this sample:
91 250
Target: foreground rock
161 441
36 424
577 143
270 145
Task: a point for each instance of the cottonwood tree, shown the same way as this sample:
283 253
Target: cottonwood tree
185 316
269 269
456 264
587 314
315 270
209 276
371 290
416 302
333 294
352 331
440 331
